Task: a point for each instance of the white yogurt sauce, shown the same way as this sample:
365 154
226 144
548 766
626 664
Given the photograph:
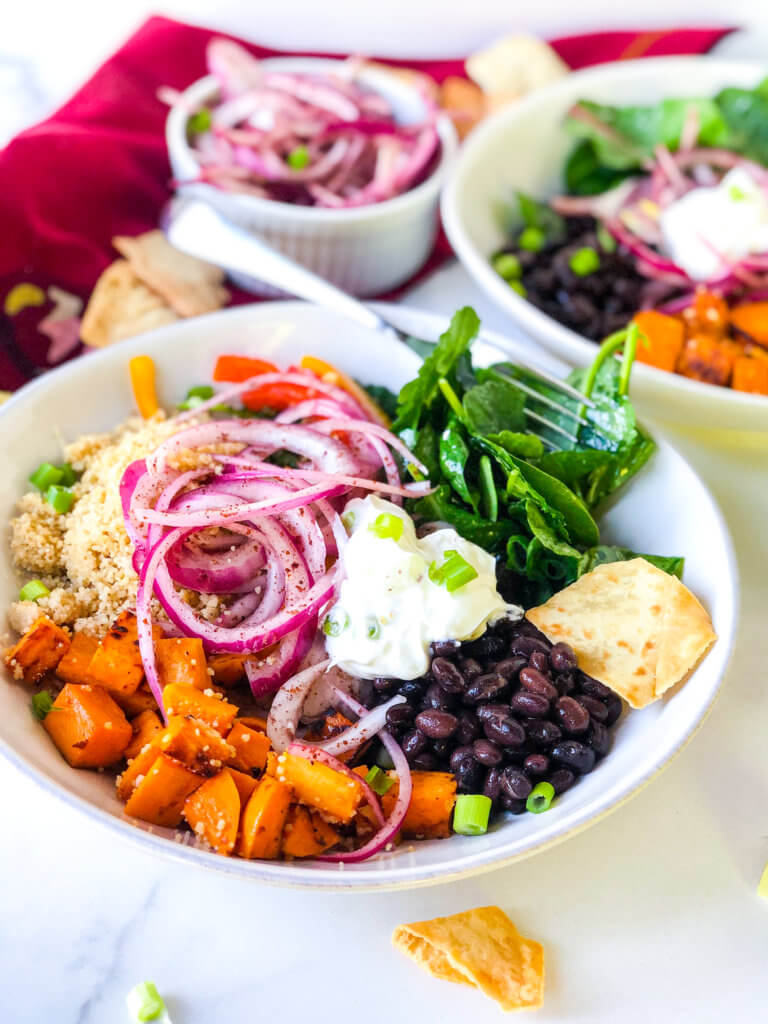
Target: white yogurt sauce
728 220
390 610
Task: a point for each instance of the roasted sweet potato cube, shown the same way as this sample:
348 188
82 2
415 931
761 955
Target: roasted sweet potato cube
213 812
703 358
73 667
88 727
135 770
254 722
116 664
160 796
251 748
432 800
182 660
661 339
306 834
181 699
751 318
147 728
262 821
707 314
228 669
134 703
333 793
245 784
39 651
750 375
196 744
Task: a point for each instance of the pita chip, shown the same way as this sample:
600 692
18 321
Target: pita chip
481 948
188 285
121 306
514 65
634 627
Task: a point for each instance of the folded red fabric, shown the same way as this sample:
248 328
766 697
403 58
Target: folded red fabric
98 167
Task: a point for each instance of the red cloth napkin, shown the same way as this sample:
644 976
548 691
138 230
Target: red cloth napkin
98 167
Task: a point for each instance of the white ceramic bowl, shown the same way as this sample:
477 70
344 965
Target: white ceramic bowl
666 510
524 147
366 250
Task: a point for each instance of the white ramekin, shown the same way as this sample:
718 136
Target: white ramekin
366 250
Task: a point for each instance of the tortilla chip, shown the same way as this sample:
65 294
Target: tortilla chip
634 627
481 948
515 65
121 306
189 285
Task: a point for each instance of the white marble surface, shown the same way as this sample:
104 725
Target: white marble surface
650 914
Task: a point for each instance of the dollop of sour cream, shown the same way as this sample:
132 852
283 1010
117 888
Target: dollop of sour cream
728 220
390 607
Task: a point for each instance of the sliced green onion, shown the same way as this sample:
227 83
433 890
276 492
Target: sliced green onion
144 1002
204 391
584 261
46 475
383 760
605 239
379 781
451 397
455 572
42 705
190 403
532 239
540 798
230 410
471 814
68 476
60 498
488 488
335 622
199 122
33 591
373 629
349 519
519 287
507 265
387 526
298 158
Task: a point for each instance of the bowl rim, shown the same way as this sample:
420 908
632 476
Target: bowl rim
554 336
203 88
386 876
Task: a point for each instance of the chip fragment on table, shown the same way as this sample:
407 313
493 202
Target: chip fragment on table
121 306
481 948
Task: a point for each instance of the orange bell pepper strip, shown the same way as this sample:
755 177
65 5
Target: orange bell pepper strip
332 375
142 370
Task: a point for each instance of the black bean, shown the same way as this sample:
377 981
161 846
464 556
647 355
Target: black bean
574 755
486 711
460 754
485 688
469 776
515 784
487 753
437 725
527 628
385 687
413 690
437 697
571 716
537 682
533 705
542 734
488 647
425 762
599 739
526 645
511 805
400 714
507 732
446 674
536 765
445 648
592 687
540 662
598 711
468 728
414 743
561 780
471 668
562 658
565 683
615 707
443 748
505 627
492 784
509 667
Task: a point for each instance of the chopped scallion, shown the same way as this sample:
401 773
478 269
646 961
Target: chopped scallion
33 591
488 489
298 158
387 526
378 780
455 572
60 498
584 261
46 475
144 1002
471 814
507 265
204 391
373 628
336 622
68 476
532 239
199 122
540 798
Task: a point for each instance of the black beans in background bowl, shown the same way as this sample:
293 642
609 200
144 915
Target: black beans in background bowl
503 713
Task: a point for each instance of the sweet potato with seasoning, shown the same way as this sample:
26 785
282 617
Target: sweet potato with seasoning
73 667
147 728
88 727
135 770
334 794
116 664
245 784
750 375
262 821
39 651
251 748
306 834
254 722
228 669
213 812
431 806
181 699
752 319
195 743
160 796
661 339
134 703
182 660
703 358
707 314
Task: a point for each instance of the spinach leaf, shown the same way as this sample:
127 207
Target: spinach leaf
383 397
490 498
494 406
746 113
454 453
545 566
418 394
440 507
573 464
604 553
544 533
581 527
528 446
585 175
536 214
517 551
426 448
